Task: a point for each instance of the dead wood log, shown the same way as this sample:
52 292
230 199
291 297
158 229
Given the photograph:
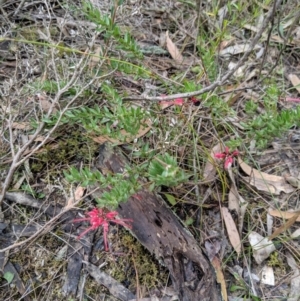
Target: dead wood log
160 231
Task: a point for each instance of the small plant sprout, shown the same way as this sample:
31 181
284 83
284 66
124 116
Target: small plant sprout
227 156
99 217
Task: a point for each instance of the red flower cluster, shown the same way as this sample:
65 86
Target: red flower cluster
227 156
98 217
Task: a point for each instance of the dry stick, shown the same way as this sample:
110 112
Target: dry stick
44 229
198 5
19 8
49 224
226 76
198 21
267 46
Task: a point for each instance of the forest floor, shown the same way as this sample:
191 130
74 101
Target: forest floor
202 97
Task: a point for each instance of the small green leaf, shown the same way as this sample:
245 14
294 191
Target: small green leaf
235 288
8 276
164 171
189 221
280 29
255 298
171 199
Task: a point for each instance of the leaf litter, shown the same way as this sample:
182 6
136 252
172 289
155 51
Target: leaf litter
265 182
247 205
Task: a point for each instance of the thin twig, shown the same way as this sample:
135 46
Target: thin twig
46 227
19 8
267 45
16 159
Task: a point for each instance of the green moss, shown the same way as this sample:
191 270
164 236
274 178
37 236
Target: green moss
274 260
137 262
31 33
74 146
277 263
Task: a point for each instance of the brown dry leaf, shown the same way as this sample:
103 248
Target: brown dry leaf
21 125
233 201
79 192
243 207
285 225
165 104
95 58
226 43
284 214
220 277
235 121
173 50
231 99
142 131
265 182
295 182
251 27
231 230
238 203
41 138
45 103
270 222
280 40
39 151
295 81
102 139
273 38
210 170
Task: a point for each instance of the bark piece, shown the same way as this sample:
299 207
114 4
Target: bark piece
159 230
73 272
83 250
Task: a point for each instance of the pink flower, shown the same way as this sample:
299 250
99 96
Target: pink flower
97 218
292 99
177 102
227 156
